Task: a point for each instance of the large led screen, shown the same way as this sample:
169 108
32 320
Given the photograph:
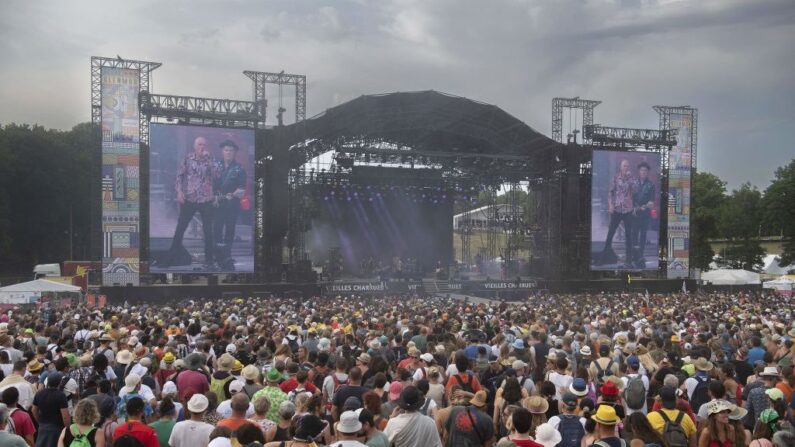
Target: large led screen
625 210
201 197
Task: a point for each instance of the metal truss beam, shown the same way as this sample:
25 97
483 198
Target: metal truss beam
628 136
665 113
262 78
225 112
558 104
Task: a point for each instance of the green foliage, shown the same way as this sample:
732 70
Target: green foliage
779 210
741 223
708 195
43 174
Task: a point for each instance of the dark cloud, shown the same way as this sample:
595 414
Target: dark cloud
730 58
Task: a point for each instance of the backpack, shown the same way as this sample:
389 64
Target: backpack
700 393
79 439
424 408
601 373
293 344
673 433
218 386
466 386
571 431
337 385
10 427
127 440
635 393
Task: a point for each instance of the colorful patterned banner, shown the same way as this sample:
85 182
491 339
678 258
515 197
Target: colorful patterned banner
679 176
120 162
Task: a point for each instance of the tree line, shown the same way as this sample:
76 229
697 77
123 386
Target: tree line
742 217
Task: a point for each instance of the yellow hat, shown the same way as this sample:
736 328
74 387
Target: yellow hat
606 415
169 357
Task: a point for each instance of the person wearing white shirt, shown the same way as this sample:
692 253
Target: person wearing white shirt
224 409
560 378
132 384
192 432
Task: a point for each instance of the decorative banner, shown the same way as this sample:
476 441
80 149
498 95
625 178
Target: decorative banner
679 177
120 162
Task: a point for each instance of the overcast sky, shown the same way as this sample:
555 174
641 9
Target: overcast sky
732 59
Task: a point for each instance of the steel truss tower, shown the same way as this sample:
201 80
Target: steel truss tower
558 104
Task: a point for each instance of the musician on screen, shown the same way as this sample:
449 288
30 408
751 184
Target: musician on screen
643 202
229 187
620 207
196 176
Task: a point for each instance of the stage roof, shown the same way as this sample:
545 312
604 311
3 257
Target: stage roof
427 121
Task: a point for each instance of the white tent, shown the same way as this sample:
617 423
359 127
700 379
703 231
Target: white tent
772 265
31 291
730 277
782 284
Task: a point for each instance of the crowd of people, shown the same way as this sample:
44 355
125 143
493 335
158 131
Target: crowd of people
556 370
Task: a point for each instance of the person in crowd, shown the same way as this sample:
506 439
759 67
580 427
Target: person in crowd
758 400
373 437
606 420
134 427
407 427
193 431
18 418
260 417
7 438
165 425
17 380
86 416
718 431
643 434
470 425
570 426
51 410
274 394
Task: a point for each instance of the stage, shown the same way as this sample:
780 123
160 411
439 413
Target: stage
510 290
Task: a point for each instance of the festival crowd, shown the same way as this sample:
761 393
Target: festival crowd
555 370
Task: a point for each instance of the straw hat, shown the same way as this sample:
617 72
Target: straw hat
35 366
606 415
536 404
479 400
703 364
124 357
769 371
250 372
718 406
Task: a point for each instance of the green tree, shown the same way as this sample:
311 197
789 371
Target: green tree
779 210
708 196
740 223
45 178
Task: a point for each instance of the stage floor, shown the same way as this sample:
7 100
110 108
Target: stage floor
241 254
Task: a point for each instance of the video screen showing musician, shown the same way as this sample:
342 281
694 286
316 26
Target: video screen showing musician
196 176
230 186
620 207
201 181
624 202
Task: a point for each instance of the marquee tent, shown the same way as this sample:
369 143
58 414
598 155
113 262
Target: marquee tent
730 277
30 292
782 284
